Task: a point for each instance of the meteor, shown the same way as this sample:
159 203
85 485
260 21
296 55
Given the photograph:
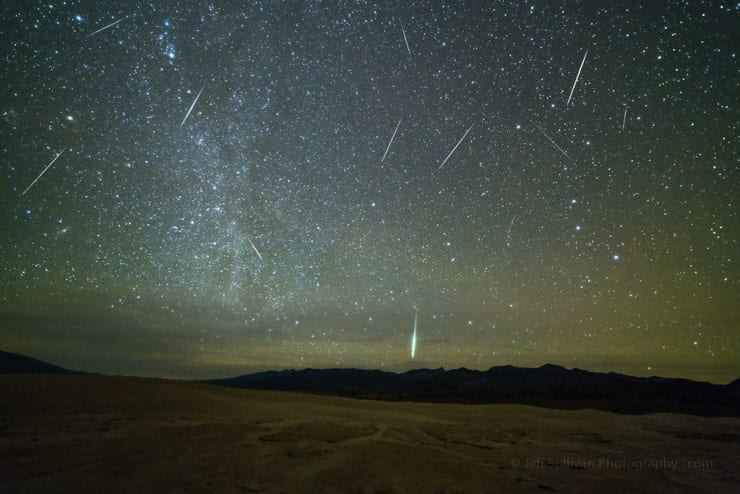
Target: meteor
106 27
577 76
624 119
413 337
456 146
255 248
191 107
553 142
42 172
406 41
391 141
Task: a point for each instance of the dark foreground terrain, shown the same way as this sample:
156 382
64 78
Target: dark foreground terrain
550 386
84 433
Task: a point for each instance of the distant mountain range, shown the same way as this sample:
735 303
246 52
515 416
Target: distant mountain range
13 363
548 386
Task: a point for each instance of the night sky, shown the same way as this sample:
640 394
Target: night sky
242 186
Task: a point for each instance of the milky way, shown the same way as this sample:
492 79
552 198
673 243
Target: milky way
231 193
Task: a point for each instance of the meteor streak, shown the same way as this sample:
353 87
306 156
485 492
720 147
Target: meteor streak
44 171
391 141
456 145
413 337
106 27
577 76
191 107
255 248
553 142
624 119
508 232
406 41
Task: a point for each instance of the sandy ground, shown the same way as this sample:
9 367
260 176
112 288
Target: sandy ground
113 434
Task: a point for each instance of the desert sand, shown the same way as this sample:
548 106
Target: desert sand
123 434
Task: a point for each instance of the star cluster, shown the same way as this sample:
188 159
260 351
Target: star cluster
560 186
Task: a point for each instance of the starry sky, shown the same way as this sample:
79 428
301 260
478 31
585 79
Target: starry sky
240 186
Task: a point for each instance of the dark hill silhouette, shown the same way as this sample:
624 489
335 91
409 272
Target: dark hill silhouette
549 386
13 363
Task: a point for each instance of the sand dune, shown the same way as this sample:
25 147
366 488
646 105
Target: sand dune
116 434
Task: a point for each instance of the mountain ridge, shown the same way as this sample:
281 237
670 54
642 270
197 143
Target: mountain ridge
550 386
16 363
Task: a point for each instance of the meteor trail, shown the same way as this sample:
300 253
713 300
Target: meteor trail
255 248
508 232
391 141
44 171
456 145
577 76
413 337
624 119
106 27
191 107
406 41
553 142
